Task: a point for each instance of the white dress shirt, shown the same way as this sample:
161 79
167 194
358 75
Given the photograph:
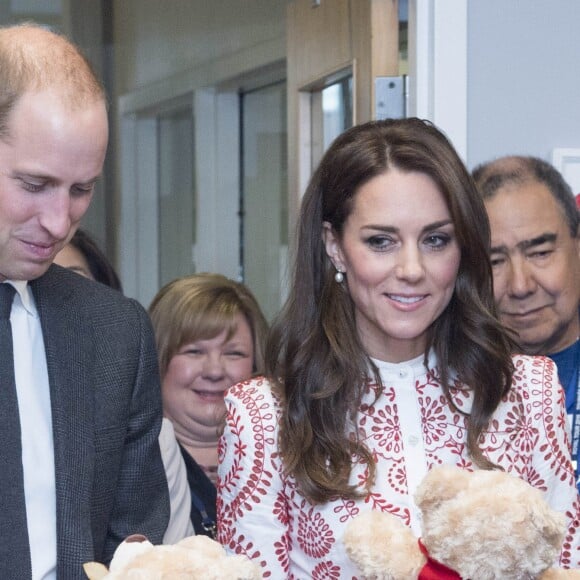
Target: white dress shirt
33 393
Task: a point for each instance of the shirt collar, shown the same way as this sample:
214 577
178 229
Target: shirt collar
25 293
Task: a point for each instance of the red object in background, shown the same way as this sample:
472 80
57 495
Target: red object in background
578 201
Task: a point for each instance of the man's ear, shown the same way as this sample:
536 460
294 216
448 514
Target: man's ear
332 245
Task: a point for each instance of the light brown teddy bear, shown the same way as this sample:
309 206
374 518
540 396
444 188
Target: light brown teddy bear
482 525
192 558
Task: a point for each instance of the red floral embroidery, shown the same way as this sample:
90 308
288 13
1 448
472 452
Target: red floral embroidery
347 509
281 509
314 534
261 513
326 571
282 551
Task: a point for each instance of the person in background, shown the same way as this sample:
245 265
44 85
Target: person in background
210 333
80 410
83 255
535 255
386 360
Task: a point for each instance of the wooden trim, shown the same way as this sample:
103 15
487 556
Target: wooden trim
375 42
337 35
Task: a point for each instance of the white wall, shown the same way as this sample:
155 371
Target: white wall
523 74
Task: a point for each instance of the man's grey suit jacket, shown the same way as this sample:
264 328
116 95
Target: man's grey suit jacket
106 412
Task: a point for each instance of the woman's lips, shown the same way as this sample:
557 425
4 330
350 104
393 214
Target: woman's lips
407 303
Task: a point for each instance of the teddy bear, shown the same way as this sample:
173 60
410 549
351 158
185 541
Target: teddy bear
192 558
481 525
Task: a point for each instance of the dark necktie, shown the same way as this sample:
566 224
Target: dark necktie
14 546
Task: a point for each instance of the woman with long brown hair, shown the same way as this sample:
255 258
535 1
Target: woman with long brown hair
388 359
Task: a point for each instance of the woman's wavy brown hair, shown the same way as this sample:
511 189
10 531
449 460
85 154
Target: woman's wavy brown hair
314 355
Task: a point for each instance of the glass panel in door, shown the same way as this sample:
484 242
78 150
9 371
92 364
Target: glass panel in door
264 199
331 114
176 195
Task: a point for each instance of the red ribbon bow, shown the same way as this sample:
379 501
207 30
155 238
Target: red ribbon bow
434 570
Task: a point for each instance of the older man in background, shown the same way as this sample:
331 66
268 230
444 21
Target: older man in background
535 256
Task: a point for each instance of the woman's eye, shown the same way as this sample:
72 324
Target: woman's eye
379 242
194 351
437 240
236 354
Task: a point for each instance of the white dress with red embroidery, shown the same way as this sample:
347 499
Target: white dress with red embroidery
409 429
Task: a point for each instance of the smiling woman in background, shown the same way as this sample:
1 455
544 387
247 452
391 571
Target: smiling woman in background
210 333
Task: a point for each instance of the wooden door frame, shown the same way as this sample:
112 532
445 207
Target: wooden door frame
323 40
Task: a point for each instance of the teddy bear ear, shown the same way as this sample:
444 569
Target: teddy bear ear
440 484
382 547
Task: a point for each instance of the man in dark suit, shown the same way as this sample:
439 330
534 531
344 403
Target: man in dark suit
80 467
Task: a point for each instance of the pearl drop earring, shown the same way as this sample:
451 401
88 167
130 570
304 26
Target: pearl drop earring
339 276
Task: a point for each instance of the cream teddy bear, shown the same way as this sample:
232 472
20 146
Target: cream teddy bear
482 525
192 558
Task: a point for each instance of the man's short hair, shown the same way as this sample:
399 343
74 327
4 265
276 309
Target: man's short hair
517 170
33 58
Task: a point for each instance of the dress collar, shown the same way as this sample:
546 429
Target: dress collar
416 365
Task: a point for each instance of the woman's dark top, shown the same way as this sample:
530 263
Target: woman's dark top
203 497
